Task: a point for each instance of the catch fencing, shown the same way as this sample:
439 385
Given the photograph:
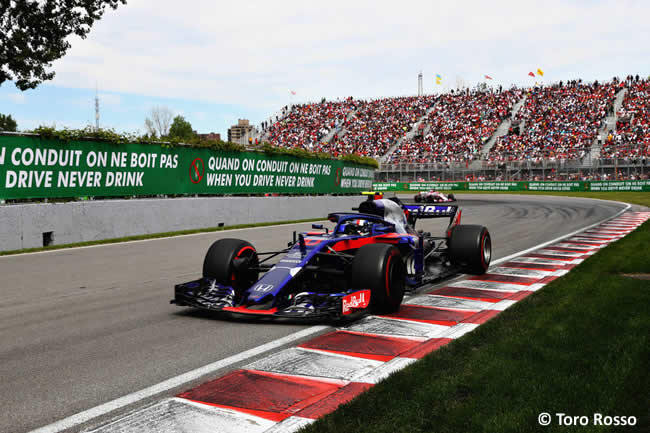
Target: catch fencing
630 185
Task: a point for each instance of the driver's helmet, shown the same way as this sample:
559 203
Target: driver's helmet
388 210
356 226
393 213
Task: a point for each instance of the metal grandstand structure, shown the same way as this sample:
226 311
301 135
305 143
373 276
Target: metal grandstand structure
542 169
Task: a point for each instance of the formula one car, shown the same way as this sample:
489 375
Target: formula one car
363 265
433 197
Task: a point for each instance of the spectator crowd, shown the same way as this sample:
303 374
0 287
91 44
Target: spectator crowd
377 125
557 122
306 125
366 128
631 139
458 126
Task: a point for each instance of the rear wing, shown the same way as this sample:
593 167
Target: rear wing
430 210
415 211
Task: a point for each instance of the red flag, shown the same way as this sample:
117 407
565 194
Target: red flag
487 77
531 74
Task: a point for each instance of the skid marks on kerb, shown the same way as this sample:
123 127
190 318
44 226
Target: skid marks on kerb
580 247
489 285
369 346
304 362
291 388
177 415
520 272
449 302
385 326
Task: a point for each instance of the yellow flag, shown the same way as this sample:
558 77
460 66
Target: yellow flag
540 72
438 81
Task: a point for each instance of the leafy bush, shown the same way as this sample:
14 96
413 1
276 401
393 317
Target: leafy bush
110 136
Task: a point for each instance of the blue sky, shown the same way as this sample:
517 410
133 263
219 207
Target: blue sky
214 63
125 112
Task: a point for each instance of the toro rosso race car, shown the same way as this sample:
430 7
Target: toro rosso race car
433 197
365 264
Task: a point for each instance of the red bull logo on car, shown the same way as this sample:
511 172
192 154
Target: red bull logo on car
356 300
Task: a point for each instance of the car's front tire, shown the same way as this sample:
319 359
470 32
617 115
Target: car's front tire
228 262
470 248
380 269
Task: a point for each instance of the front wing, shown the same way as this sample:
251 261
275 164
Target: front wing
206 294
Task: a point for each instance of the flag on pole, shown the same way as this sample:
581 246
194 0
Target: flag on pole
293 92
540 72
531 74
438 79
487 77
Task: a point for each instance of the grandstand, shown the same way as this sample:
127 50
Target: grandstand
458 126
557 122
568 130
631 139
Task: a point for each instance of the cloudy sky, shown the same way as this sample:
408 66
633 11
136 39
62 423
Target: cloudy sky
214 62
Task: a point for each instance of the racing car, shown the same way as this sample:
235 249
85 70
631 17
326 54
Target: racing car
363 265
433 197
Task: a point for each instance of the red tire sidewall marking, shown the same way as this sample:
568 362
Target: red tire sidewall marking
238 255
232 276
483 250
388 273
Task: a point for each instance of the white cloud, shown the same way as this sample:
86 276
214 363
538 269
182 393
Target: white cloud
252 53
109 99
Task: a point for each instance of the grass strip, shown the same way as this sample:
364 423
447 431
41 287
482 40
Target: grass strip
579 346
154 236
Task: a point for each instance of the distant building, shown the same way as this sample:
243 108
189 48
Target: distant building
210 136
240 132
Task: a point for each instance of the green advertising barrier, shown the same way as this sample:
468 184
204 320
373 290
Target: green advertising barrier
549 186
31 167
436 186
418 186
623 185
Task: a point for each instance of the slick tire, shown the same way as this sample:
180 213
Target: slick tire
417 198
228 261
380 269
470 248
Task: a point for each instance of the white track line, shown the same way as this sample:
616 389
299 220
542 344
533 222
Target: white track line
103 409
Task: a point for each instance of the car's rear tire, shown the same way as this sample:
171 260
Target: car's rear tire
228 262
417 198
470 248
380 269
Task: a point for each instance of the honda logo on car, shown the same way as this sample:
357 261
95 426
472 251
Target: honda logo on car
356 300
262 288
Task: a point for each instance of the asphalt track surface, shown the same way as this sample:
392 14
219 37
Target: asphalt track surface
81 327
